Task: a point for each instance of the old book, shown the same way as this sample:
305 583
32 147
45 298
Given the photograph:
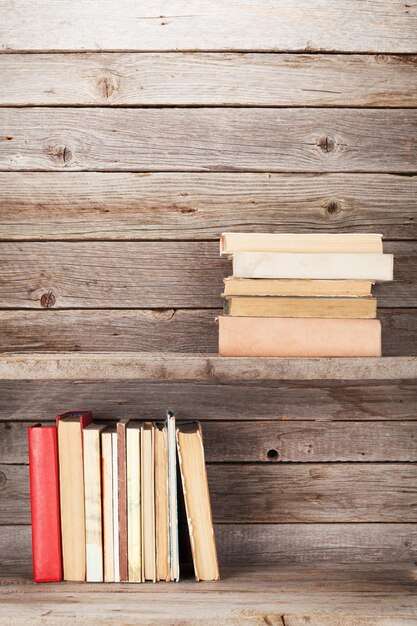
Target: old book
107 497
122 495
115 509
134 532
364 308
296 287
44 503
174 559
310 242
92 499
314 266
197 500
161 503
286 337
148 502
71 479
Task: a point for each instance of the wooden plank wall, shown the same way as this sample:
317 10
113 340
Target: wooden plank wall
131 135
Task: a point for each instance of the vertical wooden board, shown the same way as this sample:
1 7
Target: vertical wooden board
312 25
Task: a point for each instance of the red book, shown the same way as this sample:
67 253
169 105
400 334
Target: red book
44 503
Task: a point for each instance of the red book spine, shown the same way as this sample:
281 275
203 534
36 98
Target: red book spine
44 503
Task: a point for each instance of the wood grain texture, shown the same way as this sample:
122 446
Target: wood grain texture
312 25
208 139
265 544
105 205
257 441
195 367
321 400
276 493
251 596
178 330
208 79
38 275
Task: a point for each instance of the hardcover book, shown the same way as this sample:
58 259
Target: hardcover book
343 308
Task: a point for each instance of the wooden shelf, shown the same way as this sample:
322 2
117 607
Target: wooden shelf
323 595
198 367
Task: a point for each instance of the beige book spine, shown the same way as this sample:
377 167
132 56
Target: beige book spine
286 337
148 502
107 494
161 505
337 308
92 493
71 482
320 266
134 531
309 242
296 287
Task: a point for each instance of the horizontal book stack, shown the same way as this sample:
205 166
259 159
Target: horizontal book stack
303 295
104 500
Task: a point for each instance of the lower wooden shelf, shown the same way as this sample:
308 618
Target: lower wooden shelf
198 367
326 595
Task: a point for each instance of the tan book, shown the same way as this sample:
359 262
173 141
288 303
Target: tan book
286 337
122 497
116 550
107 496
337 308
71 482
148 502
197 501
295 287
92 498
310 242
161 503
134 532
314 266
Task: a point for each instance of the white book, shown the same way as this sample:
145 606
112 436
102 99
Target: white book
313 266
134 532
92 495
107 494
173 498
309 242
115 511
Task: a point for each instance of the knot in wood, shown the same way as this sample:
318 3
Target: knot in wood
327 144
48 300
61 155
107 85
333 207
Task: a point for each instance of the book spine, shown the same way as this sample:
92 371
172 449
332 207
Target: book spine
44 501
115 511
122 487
107 492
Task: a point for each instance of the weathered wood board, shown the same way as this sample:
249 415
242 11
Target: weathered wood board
277 493
209 139
275 441
106 205
36 275
176 330
323 400
311 25
265 544
208 79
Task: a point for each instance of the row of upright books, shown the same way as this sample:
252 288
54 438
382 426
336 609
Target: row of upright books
307 295
104 500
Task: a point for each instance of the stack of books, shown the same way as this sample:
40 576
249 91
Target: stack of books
104 500
303 295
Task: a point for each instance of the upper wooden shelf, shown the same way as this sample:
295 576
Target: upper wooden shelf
198 367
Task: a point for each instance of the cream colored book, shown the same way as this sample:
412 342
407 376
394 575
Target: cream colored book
322 266
161 503
148 502
337 308
310 242
134 532
296 287
92 498
302 337
197 500
115 509
107 497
